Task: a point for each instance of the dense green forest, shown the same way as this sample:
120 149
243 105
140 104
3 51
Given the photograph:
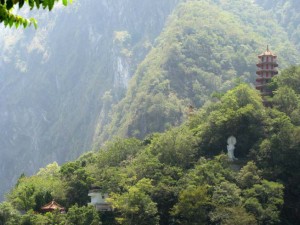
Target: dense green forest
287 15
207 46
182 176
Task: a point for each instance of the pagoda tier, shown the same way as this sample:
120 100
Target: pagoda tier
266 70
259 64
259 80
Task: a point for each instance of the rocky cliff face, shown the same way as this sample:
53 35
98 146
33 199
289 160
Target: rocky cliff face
58 81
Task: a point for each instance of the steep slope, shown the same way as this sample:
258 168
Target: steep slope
287 14
52 80
206 47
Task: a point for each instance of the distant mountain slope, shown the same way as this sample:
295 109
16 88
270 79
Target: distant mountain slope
52 80
287 14
205 47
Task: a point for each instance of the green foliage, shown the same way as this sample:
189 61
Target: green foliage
280 149
176 147
232 216
85 215
289 77
286 93
51 170
286 100
34 192
47 219
10 19
286 13
110 173
226 194
208 172
64 134
9 215
239 113
279 156
77 181
23 197
265 201
178 177
249 175
193 206
117 151
136 206
206 46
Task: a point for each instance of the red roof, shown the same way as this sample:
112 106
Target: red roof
52 206
267 53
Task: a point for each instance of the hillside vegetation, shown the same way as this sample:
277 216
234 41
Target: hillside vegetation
286 13
177 96
181 176
58 81
206 47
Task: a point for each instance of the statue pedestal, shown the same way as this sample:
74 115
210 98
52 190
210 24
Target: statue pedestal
236 165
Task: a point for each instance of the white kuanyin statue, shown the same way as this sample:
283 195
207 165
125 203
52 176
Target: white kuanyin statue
231 141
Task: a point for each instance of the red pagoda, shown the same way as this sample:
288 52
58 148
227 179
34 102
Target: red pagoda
266 70
52 206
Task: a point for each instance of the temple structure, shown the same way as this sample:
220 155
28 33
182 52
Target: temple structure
52 206
266 70
98 200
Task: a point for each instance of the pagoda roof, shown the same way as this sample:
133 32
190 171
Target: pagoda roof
52 206
273 71
267 53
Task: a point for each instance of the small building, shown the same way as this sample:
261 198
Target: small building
266 69
98 200
52 206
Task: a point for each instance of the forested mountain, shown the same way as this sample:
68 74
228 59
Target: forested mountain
181 176
205 47
53 80
58 84
93 71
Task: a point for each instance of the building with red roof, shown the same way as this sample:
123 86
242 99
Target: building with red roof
52 206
